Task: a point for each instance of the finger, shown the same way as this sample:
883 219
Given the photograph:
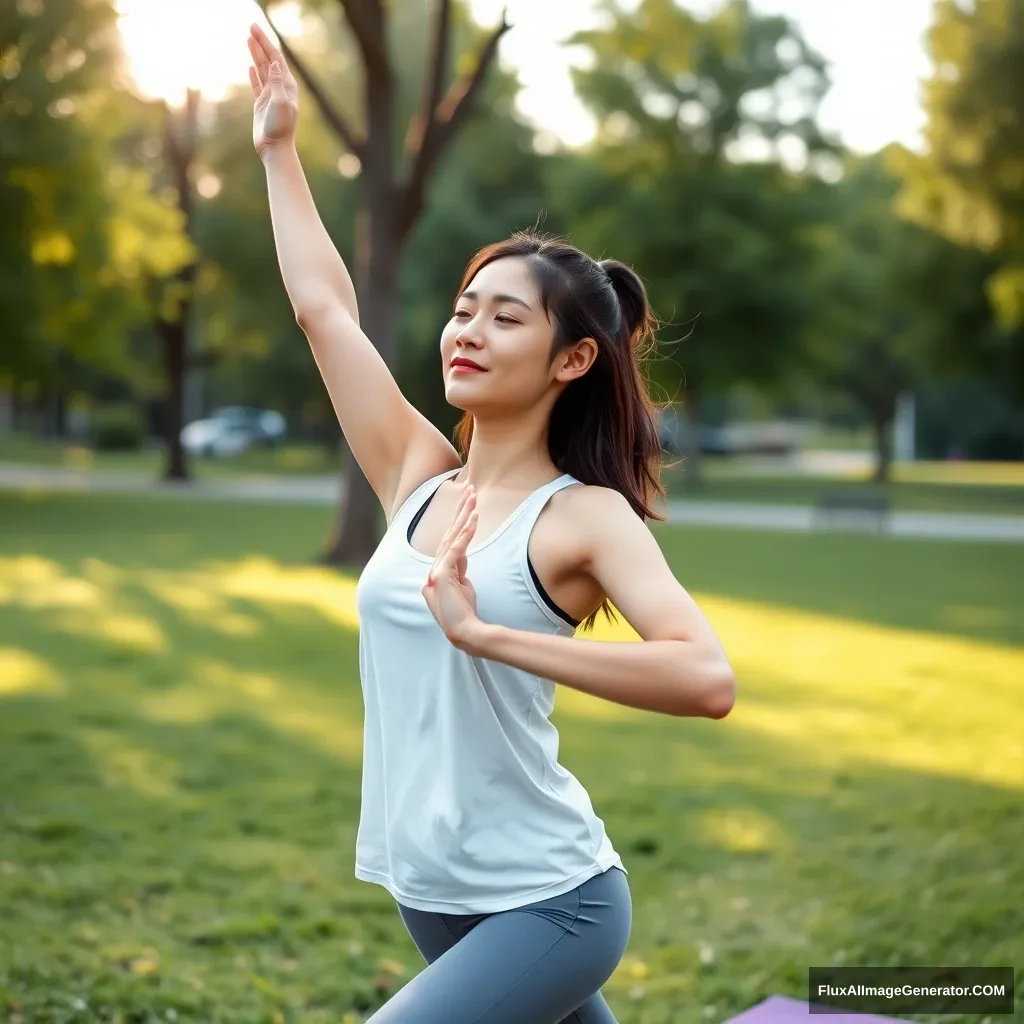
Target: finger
456 523
254 81
466 527
260 59
276 80
272 52
460 549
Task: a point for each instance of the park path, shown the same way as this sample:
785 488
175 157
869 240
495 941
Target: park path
324 490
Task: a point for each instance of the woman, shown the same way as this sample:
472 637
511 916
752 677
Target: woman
502 872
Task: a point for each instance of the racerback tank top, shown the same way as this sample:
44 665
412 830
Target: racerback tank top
465 808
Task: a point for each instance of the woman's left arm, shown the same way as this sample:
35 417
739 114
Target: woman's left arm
680 667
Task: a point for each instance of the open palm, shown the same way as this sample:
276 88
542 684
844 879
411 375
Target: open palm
277 94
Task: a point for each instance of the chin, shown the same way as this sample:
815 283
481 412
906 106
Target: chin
464 394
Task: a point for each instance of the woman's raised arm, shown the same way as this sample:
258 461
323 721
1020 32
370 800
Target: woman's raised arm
396 447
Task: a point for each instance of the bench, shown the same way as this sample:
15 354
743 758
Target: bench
854 506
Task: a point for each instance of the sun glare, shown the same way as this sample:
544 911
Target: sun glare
175 45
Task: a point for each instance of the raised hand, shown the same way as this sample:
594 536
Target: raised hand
448 592
277 93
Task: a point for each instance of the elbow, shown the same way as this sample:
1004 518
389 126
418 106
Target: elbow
721 693
308 315
311 313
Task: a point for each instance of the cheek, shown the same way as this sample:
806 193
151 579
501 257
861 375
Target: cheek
451 329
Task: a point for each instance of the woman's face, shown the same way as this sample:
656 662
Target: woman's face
498 324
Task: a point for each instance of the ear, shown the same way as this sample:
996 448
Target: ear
576 361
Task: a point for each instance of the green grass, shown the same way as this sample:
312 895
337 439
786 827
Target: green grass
180 723
988 489
285 459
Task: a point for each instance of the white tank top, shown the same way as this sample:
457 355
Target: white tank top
465 808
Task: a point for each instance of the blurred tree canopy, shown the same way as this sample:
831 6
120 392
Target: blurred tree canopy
969 182
897 306
86 244
708 135
770 253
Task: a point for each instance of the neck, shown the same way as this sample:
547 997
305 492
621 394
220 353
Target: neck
509 451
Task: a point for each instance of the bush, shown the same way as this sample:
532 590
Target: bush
118 428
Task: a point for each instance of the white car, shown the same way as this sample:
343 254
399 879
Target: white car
232 430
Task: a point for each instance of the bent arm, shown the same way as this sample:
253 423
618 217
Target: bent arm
680 667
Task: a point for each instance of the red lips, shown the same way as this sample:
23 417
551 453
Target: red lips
467 364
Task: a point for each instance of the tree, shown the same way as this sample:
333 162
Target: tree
968 184
391 197
180 140
87 247
695 117
899 305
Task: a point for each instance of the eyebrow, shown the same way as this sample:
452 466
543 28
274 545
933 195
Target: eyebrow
501 297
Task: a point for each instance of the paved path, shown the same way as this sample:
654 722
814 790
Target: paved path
324 490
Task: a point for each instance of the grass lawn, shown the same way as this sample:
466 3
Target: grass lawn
285 459
180 722
986 488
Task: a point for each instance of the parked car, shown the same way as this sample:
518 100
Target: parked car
232 430
673 430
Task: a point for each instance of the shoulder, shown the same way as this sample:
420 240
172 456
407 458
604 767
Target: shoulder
592 516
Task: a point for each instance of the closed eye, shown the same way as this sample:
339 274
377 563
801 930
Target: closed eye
464 314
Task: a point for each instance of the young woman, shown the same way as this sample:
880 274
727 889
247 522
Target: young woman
502 872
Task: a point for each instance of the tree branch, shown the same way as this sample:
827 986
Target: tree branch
434 84
330 112
366 19
445 117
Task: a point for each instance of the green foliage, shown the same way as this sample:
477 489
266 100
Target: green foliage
898 306
969 183
89 243
697 87
118 427
684 104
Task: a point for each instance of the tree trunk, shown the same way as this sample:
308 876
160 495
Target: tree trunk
180 138
882 427
378 252
173 342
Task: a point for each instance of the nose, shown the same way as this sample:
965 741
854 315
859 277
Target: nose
468 335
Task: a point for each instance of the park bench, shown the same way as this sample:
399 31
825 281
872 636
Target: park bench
854 506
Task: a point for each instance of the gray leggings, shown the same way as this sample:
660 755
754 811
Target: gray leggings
543 963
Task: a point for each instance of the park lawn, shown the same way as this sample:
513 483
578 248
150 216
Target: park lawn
181 726
286 459
980 488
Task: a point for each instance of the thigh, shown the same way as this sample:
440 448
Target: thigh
435 934
543 963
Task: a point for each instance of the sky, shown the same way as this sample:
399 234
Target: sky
875 49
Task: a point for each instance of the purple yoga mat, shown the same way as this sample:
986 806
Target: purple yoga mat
783 1010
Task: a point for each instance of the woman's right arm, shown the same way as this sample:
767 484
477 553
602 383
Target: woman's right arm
395 446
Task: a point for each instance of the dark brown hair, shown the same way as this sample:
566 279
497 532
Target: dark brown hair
604 428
